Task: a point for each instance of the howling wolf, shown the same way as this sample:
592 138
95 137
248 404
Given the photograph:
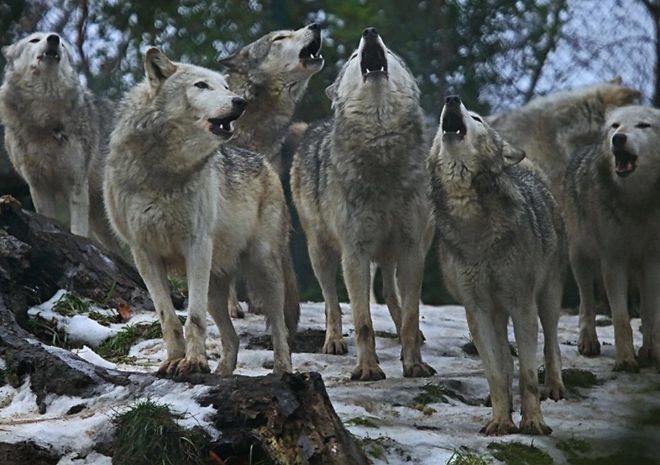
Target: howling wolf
501 244
361 186
549 129
184 201
612 211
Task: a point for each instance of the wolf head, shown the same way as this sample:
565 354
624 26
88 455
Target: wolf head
283 59
466 146
192 99
38 61
373 76
632 143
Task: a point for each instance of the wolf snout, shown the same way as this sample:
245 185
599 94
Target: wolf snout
619 140
453 100
238 104
53 40
370 33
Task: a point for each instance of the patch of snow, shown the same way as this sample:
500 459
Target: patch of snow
92 459
88 354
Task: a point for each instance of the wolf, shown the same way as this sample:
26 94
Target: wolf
52 127
501 242
271 74
550 128
361 186
612 214
184 200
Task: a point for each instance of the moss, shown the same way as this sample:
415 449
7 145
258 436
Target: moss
574 446
515 453
148 434
603 322
71 304
652 418
432 394
464 456
574 378
425 409
367 422
471 349
387 335
3 377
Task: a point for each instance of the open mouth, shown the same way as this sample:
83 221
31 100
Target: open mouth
51 54
223 127
624 162
453 127
373 61
310 54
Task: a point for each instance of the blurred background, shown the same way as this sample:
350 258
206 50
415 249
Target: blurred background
497 54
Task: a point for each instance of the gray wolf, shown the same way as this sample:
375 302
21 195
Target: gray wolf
501 244
361 185
612 211
185 201
271 74
549 129
52 127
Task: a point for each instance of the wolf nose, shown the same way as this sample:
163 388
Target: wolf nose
619 140
453 100
370 33
314 27
53 40
239 103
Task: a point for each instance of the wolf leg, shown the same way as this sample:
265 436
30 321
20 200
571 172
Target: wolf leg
410 270
483 324
44 202
235 309
390 293
154 274
356 275
549 304
372 293
615 279
650 299
325 262
525 325
79 209
585 276
219 288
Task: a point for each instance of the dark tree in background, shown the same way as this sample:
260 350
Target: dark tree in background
498 54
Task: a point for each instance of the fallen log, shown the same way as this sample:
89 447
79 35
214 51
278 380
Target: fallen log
290 419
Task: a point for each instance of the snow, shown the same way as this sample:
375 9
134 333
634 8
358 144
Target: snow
602 415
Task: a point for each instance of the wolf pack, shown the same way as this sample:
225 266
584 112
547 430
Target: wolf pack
183 176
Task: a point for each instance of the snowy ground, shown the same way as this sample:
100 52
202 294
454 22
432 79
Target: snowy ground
610 416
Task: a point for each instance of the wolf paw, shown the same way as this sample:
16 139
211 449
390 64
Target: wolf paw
235 311
588 344
534 426
629 366
168 367
418 370
499 427
281 367
335 347
367 373
645 356
183 367
555 391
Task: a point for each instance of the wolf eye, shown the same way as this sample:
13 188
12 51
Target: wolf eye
476 118
615 125
352 56
642 125
35 40
279 38
202 85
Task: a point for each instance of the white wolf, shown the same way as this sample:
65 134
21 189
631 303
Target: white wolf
52 127
181 200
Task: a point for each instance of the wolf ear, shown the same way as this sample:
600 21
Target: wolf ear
239 61
7 52
157 67
331 91
512 155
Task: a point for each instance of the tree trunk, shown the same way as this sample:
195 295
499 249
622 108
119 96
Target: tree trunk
290 419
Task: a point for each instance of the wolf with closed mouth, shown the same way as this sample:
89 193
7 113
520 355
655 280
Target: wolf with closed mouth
183 200
271 74
612 211
361 186
501 245
53 127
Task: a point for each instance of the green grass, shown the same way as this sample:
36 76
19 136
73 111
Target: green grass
432 394
574 446
3 377
104 319
48 333
515 453
148 434
178 285
71 304
367 422
603 322
387 335
464 456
